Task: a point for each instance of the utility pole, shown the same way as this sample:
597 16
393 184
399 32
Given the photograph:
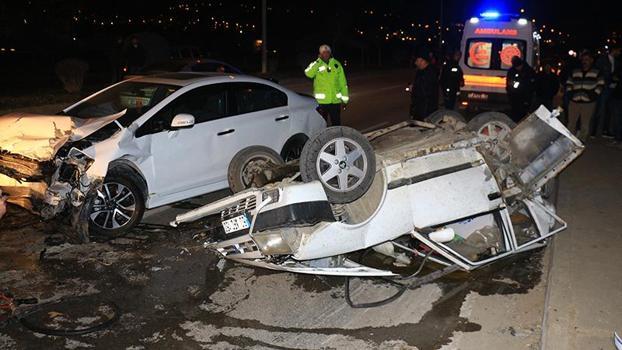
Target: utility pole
440 34
264 38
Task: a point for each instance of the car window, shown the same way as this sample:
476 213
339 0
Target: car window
135 97
204 103
252 97
493 53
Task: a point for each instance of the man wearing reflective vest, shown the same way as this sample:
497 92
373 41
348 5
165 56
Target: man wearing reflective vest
330 87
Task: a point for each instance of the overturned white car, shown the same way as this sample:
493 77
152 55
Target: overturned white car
460 197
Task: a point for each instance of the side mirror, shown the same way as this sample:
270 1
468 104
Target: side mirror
182 121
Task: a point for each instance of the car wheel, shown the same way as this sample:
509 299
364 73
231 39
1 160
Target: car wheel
248 163
342 159
118 206
445 116
493 126
293 148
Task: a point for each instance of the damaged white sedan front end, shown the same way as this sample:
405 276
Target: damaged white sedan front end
449 196
48 164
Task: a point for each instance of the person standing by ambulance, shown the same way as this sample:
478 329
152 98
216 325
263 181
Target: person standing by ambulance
584 86
520 84
452 79
330 87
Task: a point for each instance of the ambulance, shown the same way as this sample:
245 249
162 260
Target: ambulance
489 42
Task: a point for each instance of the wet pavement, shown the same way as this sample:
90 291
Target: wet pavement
171 293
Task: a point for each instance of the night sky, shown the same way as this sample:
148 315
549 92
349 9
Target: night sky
35 34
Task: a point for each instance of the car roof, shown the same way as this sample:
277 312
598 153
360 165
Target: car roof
188 78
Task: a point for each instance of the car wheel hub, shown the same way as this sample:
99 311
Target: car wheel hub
254 167
496 132
114 206
342 164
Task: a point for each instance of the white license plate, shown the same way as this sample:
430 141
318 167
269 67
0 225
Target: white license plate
237 223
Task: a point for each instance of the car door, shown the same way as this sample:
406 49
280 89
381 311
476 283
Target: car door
259 117
182 159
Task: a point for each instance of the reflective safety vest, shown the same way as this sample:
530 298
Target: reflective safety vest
329 81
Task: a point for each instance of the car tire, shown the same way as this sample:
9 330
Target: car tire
249 162
442 115
121 196
495 126
325 158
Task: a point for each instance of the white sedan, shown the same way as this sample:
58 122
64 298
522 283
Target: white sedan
147 142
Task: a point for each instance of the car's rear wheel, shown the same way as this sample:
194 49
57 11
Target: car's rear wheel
445 116
342 159
118 206
493 126
248 163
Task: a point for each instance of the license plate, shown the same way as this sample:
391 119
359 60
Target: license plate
236 224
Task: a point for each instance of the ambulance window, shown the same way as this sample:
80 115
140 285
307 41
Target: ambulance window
479 54
509 49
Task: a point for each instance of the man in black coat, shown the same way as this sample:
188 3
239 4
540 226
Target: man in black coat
520 86
424 89
452 79
547 86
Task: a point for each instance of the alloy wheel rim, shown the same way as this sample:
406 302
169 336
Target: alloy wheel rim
114 206
342 164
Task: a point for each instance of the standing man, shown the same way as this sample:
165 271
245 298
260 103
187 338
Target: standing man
423 89
607 65
135 56
584 86
452 80
615 105
330 87
547 86
520 84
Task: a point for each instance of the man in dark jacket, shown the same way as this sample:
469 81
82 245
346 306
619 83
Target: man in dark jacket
452 80
520 86
547 86
424 89
615 106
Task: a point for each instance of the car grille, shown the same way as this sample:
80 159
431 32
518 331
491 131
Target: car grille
243 206
239 248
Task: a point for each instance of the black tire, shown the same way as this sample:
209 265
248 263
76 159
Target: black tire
495 126
440 115
359 172
293 148
258 158
479 121
113 191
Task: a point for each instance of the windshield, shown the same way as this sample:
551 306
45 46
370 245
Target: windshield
136 97
494 53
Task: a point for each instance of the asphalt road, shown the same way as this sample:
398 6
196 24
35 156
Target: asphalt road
173 294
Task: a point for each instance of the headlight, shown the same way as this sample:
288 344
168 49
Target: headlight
80 158
274 194
272 243
280 241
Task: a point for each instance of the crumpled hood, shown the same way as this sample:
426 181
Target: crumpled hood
39 136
